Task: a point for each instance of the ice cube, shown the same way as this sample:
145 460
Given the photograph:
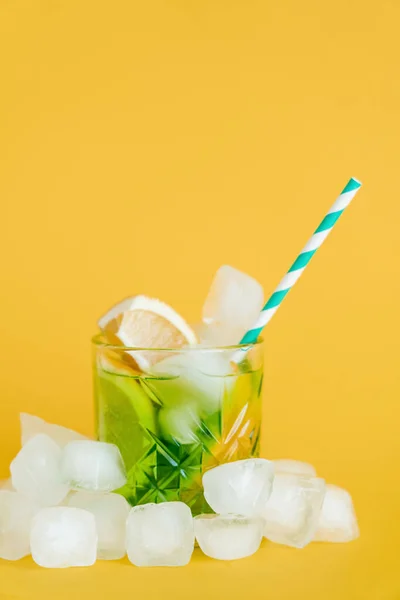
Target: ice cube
6 484
196 377
160 535
194 363
63 537
232 306
241 487
111 512
228 537
292 511
35 471
296 467
93 466
31 426
16 513
180 423
337 521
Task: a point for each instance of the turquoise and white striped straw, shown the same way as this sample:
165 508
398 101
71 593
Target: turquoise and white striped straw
297 268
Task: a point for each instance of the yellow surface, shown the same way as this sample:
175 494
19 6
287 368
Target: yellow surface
143 144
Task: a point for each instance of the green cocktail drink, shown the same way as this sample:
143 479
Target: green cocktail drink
190 412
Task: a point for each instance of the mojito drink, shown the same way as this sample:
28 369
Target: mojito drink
173 397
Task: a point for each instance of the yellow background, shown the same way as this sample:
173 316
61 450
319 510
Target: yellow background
143 144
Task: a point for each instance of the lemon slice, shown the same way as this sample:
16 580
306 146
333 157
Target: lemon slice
110 321
150 323
117 364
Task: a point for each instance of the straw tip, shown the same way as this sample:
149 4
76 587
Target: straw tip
352 185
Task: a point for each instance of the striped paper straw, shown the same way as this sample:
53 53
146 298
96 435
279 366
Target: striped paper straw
297 268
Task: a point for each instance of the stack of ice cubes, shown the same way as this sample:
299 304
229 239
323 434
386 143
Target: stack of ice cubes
281 500
60 507
58 504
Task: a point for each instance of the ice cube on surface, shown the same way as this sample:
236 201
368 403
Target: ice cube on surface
160 535
63 537
292 511
228 537
36 471
294 466
93 466
16 513
110 512
337 521
31 426
241 487
232 306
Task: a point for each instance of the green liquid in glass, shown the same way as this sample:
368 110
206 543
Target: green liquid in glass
170 430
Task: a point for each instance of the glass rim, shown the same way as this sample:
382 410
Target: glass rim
99 343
